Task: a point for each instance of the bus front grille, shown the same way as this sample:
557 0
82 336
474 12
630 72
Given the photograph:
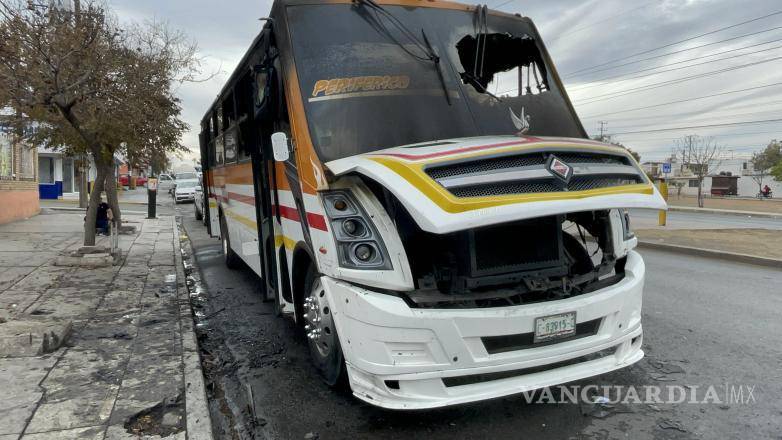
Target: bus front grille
527 174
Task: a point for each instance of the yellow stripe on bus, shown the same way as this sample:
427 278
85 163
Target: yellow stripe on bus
279 240
250 223
289 243
415 175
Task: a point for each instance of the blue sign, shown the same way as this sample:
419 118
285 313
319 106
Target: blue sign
666 167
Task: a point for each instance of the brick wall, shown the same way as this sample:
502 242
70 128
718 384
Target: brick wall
19 192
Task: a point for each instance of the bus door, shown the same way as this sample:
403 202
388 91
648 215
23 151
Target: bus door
263 212
263 121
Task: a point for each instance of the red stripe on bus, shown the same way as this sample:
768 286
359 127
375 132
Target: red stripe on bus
316 221
460 150
250 200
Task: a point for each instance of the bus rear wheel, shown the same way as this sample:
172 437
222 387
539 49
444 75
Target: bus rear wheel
322 338
231 259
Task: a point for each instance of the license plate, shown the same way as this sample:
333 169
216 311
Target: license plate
555 327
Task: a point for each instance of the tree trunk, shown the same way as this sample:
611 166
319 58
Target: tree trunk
92 210
700 193
83 181
111 195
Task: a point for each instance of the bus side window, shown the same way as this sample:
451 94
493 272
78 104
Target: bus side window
219 151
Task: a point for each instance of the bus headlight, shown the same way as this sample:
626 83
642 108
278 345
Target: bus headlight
359 245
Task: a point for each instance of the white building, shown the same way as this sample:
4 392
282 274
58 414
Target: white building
735 165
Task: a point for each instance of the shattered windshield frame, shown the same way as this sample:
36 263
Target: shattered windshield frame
363 91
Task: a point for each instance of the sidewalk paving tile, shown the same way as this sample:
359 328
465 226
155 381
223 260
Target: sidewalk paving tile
21 395
86 433
125 353
9 276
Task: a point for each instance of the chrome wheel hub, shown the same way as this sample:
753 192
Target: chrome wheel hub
317 317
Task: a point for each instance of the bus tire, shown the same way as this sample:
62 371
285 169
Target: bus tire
231 259
321 334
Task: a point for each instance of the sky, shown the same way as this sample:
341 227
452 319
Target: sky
615 58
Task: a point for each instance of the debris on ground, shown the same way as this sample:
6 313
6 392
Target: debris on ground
163 419
671 424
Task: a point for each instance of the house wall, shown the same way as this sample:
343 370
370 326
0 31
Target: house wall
18 200
18 182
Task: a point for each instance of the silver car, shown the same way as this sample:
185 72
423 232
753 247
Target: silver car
185 190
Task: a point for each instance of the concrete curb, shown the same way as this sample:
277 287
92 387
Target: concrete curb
712 253
68 209
199 422
724 211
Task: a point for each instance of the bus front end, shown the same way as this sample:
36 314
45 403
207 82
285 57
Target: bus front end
472 242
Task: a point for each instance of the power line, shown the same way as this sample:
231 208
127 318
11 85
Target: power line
588 86
689 127
774 112
652 86
753 133
579 29
684 100
502 4
677 51
694 113
680 41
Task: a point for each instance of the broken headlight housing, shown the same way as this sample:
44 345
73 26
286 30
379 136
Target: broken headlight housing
359 245
628 232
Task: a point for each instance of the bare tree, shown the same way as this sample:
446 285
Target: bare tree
678 184
92 87
699 155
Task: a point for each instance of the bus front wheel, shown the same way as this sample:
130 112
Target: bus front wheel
321 333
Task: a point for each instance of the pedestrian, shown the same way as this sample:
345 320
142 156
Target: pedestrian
102 218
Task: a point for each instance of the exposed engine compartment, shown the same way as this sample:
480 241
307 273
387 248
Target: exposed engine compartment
514 263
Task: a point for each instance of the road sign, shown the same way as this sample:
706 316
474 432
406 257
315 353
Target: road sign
666 167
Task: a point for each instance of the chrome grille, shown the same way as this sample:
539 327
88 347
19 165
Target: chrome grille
482 166
527 173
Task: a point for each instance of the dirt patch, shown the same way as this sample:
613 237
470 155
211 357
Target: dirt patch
760 242
164 419
773 206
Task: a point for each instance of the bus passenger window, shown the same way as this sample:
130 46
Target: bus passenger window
230 146
219 151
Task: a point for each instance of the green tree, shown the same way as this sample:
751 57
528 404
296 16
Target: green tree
764 162
609 140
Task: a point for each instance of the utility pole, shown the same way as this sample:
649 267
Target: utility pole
602 129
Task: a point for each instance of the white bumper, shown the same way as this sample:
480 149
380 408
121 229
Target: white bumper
384 340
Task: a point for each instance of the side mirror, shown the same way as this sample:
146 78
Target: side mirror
280 147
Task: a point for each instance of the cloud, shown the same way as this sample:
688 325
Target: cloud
579 34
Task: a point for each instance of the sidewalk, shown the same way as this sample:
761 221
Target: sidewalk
104 353
136 196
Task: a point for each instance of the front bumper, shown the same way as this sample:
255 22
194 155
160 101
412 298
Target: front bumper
404 358
184 197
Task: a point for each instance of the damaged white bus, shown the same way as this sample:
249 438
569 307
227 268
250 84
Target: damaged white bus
413 186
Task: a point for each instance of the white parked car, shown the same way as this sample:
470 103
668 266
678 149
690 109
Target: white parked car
165 183
199 203
185 190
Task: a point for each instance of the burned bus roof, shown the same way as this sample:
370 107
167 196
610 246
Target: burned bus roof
259 44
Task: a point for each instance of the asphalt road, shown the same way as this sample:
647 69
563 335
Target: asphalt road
706 322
